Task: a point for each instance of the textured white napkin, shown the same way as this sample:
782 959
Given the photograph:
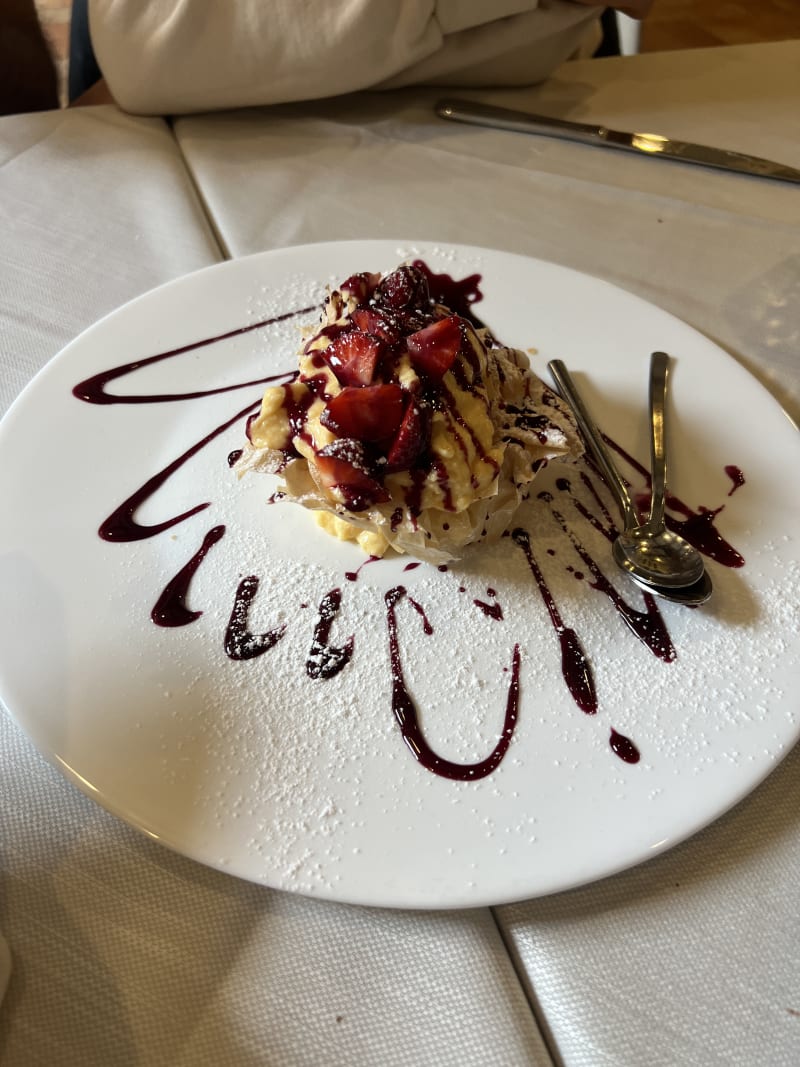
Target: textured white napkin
690 959
95 208
128 954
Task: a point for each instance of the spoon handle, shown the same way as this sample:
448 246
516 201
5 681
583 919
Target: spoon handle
659 364
594 440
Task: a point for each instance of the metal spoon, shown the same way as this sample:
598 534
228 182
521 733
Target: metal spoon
651 552
654 557
692 595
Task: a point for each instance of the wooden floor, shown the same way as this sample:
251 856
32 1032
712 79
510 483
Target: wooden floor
672 24
675 24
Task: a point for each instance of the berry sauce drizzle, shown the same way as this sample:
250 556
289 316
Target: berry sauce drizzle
426 625
93 390
736 477
240 643
493 611
699 530
649 625
623 747
121 525
352 576
575 667
457 294
406 713
170 608
324 660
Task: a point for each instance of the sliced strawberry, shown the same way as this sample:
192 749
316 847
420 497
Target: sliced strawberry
361 286
365 413
342 470
433 349
379 323
411 439
353 357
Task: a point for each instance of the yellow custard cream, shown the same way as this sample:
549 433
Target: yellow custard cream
408 426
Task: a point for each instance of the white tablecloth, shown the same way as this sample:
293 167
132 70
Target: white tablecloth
386 166
122 952
125 953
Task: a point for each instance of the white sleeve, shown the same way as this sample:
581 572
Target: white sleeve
180 56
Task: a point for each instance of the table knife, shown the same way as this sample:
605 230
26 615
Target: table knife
647 144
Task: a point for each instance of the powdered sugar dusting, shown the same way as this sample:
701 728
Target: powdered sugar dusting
325 763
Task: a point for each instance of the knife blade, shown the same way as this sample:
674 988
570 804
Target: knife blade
645 144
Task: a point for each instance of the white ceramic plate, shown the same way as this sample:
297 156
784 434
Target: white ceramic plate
306 784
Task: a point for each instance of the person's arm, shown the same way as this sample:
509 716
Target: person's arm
178 56
172 56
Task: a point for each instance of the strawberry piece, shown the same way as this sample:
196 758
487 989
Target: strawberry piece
365 413
434 348
353 357
379 324
342 470
406 287
411 440
361 285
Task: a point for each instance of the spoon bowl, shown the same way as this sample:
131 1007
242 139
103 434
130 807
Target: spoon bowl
691 596
661 558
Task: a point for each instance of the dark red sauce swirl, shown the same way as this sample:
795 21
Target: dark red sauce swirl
405 711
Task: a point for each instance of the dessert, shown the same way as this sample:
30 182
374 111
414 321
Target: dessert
407 425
